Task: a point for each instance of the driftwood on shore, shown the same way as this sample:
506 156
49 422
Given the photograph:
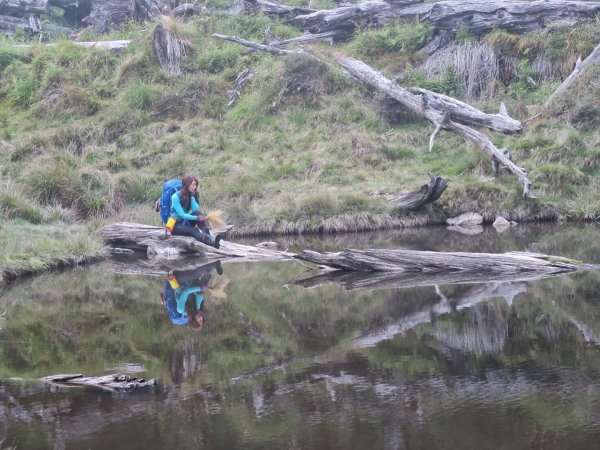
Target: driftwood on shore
428 193
105 383
442 111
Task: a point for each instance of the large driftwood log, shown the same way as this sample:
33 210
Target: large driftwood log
150 240
406 261
428 193
107 383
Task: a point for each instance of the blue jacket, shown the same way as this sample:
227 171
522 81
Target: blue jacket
175 302
177 211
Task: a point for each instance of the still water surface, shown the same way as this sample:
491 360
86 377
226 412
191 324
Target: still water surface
288 362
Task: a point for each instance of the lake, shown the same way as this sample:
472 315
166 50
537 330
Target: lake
286 359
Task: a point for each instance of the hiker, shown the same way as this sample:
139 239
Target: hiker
183 294
185 209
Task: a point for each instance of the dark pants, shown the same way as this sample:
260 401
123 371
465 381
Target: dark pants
188 230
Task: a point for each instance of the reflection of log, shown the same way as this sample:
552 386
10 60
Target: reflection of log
391 260
150 240
358 281
428 193
493 290
108 383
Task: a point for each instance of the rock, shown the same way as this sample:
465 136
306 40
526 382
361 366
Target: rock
501 224
466 220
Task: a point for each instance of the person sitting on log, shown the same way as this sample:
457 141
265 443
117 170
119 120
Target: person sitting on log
185 210
183 294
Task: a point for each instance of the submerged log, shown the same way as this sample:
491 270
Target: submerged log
107 383
428 193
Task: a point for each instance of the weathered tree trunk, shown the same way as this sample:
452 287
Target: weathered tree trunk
108 383
150 240
23 8
447 17
447 120
424 104
579 70
168 49
428 193
277 9
9 24
242 79
453 263
480 17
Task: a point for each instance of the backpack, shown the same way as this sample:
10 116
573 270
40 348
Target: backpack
169 188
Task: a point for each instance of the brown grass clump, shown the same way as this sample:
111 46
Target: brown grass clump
474 64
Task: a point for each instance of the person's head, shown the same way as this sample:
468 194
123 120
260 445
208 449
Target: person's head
196 317
189 188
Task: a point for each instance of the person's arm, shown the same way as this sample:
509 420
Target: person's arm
176 206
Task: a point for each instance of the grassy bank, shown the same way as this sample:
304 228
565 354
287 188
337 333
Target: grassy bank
88 136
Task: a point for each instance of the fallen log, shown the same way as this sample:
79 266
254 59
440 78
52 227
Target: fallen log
447 118
107 383
411 261
23 8
151 241
428 193
32 25
480 17
578 71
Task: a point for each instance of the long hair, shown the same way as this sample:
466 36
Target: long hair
184 194
192 312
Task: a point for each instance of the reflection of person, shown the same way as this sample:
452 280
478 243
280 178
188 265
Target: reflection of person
185 209
183 294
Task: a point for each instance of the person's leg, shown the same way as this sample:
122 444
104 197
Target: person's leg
186 230
202 224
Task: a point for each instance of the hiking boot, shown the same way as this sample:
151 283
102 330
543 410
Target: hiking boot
217 241
218 267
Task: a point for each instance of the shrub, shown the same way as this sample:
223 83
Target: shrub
138 95
396 37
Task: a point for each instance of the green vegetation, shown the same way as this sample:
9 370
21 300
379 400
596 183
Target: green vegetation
92 134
